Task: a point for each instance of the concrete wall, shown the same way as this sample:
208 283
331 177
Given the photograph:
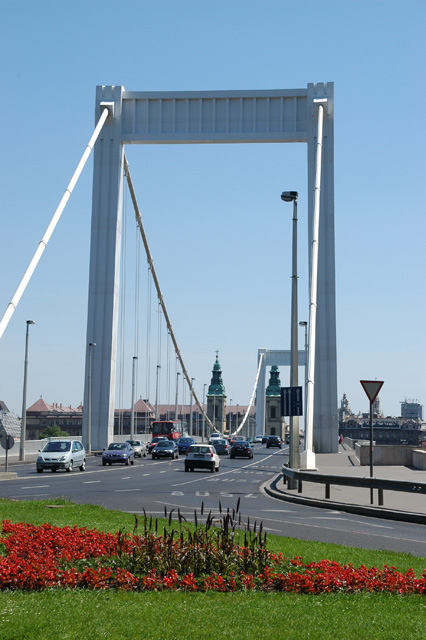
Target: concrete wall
419 459
384 455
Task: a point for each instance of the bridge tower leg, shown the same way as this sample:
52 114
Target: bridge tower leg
102 320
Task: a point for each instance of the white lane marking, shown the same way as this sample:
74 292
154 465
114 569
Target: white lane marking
202 494
37 486
146 474
250 495
126 478
177 493
91 481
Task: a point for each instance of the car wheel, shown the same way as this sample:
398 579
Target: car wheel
132 461
53 470
212 468
110 463
192 468
83 465
39 470
217 469
70 466
127 462
186 468
103 463
144 455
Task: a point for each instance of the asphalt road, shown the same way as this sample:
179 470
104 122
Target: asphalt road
154 485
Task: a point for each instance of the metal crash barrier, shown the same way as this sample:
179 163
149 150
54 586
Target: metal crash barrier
380 484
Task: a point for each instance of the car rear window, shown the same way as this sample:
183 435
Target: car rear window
198 449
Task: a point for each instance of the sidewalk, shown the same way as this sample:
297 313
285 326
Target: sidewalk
397 505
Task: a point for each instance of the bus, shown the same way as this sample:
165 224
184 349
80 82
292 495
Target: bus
171 429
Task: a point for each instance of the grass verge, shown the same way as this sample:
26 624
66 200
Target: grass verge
176 615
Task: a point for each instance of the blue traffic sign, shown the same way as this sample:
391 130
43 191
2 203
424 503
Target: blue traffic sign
291 401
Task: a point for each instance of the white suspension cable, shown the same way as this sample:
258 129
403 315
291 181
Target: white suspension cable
54 221
262 355
157 286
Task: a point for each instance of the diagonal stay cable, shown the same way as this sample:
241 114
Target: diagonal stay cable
50 229
157 286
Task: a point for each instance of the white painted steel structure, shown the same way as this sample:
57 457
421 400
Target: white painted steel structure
205 117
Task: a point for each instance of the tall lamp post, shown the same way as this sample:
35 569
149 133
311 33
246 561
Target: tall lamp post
191 425
294 459
24 397
176 399
156 392
230 416
303 323
89 400
236 419
203 425
132 415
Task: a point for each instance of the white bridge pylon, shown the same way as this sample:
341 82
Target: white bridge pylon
206 117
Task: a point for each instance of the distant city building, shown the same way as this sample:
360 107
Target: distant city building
386 430
411 410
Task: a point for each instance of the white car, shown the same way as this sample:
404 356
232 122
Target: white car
61 454
215 436
202 456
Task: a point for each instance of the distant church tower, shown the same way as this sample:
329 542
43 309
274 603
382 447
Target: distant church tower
273 423
216 398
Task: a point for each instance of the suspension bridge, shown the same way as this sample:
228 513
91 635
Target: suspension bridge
124 117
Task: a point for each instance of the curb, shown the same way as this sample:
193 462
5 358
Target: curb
8 475
373 512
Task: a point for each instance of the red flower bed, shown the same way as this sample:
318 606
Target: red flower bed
41 557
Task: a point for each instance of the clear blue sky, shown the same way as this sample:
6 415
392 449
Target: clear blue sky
219 234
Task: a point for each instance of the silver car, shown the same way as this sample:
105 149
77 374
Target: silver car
61 454
139 447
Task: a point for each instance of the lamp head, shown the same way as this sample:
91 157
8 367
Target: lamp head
289 196
30 321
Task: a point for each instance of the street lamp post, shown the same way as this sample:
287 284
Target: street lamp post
230 416
24 397
303 323
294 460
156 392
176 399
236 419
203 425
191 425
132 418
89 400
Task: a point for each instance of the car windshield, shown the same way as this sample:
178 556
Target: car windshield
220 442
57 446
163 444
134 443
240 443
200 449
117 445
185 440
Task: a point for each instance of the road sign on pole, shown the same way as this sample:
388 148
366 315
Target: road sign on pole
372 388
291 401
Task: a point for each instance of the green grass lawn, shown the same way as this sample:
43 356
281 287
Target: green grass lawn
175 615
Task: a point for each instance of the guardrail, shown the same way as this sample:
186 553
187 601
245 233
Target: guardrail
380 484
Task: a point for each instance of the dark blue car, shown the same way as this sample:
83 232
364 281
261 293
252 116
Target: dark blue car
184 443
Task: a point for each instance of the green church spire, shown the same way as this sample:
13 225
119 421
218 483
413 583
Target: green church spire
216 387
274 386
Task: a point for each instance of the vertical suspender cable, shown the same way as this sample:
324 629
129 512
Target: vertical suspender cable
157 286
54 221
